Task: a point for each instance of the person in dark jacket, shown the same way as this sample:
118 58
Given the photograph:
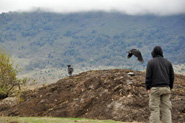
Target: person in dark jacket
159 82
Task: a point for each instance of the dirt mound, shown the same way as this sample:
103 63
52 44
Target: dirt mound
101 94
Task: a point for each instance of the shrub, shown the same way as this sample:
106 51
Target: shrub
8 75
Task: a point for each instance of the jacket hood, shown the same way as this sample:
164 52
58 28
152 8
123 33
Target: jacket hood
157 51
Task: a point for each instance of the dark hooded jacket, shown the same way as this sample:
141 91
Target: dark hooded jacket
159 72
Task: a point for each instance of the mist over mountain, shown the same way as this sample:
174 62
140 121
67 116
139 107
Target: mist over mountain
130 7
41 40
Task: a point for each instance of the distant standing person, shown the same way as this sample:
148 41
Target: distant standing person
159 82
70 70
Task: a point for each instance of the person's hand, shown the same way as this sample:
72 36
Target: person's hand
148 91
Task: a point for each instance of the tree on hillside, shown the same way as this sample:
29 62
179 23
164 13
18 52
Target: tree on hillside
8 80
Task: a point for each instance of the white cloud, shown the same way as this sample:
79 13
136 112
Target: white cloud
158 7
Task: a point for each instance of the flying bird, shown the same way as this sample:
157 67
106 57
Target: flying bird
70 70
136 53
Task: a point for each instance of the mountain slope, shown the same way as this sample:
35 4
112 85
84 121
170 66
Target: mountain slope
44 41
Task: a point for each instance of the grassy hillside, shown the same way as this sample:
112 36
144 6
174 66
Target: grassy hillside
41 41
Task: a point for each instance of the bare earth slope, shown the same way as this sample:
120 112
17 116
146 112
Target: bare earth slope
101 94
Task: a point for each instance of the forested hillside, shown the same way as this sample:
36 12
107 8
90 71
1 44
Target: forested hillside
44 41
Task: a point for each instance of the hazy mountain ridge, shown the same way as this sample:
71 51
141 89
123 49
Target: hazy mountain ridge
47 40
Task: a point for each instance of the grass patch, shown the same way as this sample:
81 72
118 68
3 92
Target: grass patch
51 120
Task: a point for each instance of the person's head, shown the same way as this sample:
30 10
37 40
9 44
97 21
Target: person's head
157 51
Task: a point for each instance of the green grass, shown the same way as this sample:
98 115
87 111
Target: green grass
51 120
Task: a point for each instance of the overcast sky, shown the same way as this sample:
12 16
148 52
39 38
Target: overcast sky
133 7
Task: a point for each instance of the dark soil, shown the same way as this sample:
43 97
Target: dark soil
101 94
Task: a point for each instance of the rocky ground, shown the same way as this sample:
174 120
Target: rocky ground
101 94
